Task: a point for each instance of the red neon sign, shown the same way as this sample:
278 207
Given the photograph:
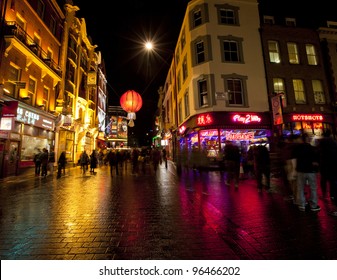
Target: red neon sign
239 136
248 118
182 129
204 119
301 117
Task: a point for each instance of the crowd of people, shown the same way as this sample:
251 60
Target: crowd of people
302 164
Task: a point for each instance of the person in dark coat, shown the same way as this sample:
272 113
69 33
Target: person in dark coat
112 158
37 162
261 166
61 164
93 162
232 159
306 167
44 162
327 149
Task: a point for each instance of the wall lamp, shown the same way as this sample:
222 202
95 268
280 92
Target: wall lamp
25 98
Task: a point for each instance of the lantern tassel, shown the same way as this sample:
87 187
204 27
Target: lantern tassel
131 123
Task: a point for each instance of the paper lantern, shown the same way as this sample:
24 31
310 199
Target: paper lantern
131 102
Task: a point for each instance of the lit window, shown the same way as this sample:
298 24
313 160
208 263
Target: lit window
317 88
311 54
299 91
274 53
293 53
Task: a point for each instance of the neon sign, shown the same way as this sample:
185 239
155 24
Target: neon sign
301 117
204 119
182 129
239 136
248 118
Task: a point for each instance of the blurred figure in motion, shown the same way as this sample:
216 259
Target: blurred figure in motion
61 164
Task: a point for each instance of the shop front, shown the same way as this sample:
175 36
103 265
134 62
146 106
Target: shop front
208 133
26 134
312 124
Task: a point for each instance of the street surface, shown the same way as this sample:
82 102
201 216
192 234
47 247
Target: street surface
157 216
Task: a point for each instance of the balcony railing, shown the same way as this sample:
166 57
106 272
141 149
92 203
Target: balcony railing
14 30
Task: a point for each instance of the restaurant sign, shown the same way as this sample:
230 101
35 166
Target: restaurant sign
29 117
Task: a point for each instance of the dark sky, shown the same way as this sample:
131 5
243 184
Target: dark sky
120 28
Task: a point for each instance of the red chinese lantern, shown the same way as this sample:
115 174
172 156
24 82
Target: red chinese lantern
131 102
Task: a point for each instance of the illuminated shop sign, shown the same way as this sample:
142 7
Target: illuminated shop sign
182 129
204 119
247 118
313 118
35 119
239 136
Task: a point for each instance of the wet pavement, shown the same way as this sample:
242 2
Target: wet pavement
157 216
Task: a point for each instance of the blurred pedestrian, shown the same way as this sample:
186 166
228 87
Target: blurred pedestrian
306 167
84 161
156 158
37 162
44 162
288 171
134 160
164 156
51 161
232 163
93 162
327 148
262 166
61 164
112 159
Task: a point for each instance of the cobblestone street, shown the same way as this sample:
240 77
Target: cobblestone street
157 216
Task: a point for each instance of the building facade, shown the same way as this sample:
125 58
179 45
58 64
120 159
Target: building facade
30 74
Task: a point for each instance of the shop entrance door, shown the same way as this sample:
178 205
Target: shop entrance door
12 159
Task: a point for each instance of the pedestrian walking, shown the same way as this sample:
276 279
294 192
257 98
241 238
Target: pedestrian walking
93 162
232 163
156 158
327 149
84 161
134 160
37 162
306 167
61 164
262 166
164 156
112 158
51 162
44 162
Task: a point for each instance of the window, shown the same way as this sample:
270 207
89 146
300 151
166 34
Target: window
274 53
183 40
232 49
311 54
235 92
278 88
40 8
178 81
31 90
268 20
299 91
180 111
186 104
203 93
290 22
227 16
52 25
293 53
14 74
45 98
185 71
198 15
317 88
197 18
201 49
